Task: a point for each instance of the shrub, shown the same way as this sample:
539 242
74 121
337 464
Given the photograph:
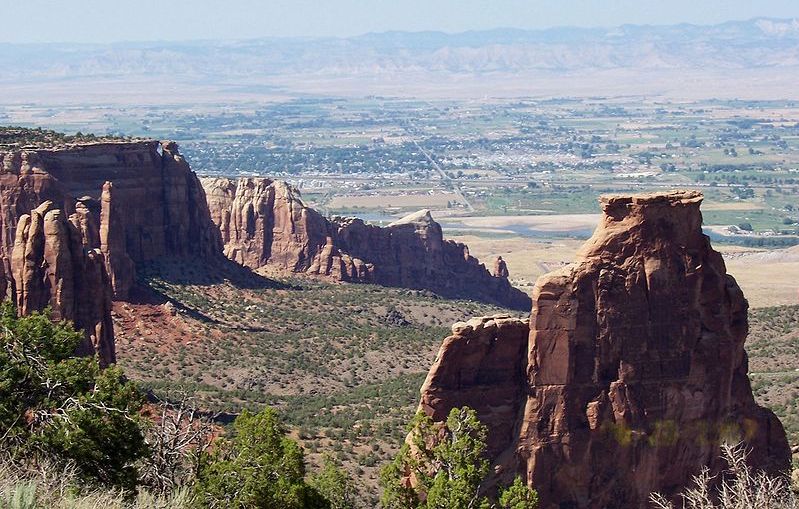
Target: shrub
57 407
737 487
518 496
447 466
260 467
334 485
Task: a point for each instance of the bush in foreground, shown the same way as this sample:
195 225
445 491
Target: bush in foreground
736 488
62 409
259 467
447 464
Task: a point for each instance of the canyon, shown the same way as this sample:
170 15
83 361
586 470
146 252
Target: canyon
624 380
76 221
265 224
629 374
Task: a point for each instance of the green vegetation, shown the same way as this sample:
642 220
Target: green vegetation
56 406
18 137
259 467
773 348
334 485
518 496
447 464
341 363
77 436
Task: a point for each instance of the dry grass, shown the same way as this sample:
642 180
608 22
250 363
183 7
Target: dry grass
544 223
737 488
527 259
50 487
734 205
765 283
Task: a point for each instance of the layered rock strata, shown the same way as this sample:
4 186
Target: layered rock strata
150 202
75 220
633 373
264 223
53 265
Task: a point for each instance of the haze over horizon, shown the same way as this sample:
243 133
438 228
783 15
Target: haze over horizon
91 21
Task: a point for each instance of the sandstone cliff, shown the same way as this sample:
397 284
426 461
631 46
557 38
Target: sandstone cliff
52 264
75 220
264 223
148 201
633 372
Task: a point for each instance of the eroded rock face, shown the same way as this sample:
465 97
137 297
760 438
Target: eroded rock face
264 223
153 205
500 268
482 366
634 370
53 264
75 220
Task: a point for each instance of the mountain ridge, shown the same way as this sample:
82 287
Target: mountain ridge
754 43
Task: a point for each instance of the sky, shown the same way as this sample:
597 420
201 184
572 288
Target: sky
103 21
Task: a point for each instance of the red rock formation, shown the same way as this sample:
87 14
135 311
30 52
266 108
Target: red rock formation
481 366
127 202
635 367
500 268
121 267
412 253
53 264
154 206
264 223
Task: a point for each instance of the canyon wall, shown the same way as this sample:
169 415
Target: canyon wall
142 194
264 223
633 372
75 220
52 265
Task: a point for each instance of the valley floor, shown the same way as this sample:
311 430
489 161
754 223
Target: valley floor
344 362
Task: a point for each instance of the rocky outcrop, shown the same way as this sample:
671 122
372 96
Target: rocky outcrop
264 223
500 268
633 373
481 365
75 220
150 202
113 242
53 264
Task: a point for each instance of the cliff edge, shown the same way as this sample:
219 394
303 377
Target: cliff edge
264 223
633 372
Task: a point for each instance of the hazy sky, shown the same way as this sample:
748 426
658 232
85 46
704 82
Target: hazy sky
116 20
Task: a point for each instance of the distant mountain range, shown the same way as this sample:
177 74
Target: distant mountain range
756 43
755 59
